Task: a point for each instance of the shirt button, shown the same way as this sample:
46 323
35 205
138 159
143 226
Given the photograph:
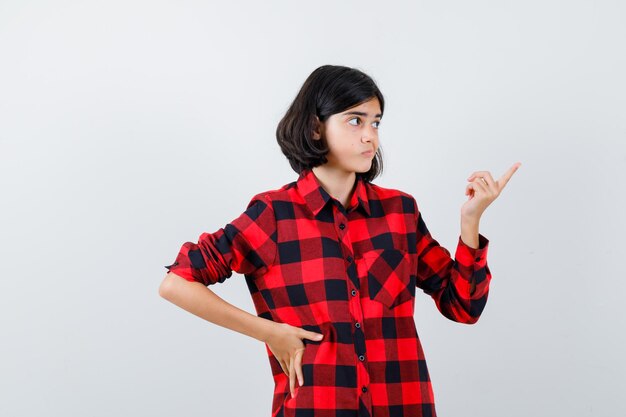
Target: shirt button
357 325
361 357
353 293
364 389
349 258
342 226
477 259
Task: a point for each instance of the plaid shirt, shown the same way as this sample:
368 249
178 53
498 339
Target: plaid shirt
349 273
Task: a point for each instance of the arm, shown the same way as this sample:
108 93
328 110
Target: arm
460 285
283 340
246 245
201 301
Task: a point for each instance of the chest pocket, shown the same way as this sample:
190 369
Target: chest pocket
390 276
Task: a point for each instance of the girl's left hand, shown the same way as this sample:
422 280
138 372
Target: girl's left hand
483 190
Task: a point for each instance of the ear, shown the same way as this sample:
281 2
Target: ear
318 130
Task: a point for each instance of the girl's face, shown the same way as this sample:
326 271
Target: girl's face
351 133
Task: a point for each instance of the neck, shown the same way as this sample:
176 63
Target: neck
338 183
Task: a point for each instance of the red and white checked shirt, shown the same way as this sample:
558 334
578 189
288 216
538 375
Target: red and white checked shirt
349 273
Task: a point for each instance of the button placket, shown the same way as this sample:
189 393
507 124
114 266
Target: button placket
359 337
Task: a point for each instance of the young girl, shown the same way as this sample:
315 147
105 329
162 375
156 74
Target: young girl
332 262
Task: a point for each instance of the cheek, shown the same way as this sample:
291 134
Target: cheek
342 141
349 148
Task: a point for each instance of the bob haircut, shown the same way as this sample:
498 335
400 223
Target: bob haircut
330 89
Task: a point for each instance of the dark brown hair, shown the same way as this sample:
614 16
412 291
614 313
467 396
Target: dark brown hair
330 89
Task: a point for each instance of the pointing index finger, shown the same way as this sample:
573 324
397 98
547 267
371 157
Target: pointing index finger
504 179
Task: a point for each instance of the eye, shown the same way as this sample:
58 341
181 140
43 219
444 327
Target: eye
377 122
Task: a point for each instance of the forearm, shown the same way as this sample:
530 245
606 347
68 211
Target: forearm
201 301
469 231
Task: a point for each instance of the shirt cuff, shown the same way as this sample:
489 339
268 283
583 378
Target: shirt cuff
180 271
473 256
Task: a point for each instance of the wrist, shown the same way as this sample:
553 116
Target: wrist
470 220
469 231
267 329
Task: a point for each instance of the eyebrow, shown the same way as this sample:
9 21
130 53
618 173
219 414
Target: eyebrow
360 113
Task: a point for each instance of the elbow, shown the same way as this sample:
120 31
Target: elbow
475 310
461 317
464 313
460 309
172 284
470 320
165 289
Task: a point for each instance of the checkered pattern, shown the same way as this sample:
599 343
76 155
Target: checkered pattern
351 274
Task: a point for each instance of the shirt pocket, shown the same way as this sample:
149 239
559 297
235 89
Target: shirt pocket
390 276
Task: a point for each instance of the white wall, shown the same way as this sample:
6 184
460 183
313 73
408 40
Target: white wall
130 127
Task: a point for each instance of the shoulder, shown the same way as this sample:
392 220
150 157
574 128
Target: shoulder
275 194
388 192
406 199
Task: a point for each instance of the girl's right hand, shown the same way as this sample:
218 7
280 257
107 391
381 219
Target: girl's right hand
286 344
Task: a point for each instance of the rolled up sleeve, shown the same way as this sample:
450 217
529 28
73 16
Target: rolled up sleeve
246 245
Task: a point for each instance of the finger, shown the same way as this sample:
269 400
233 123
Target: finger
311 335
480 186
298 366
477 174
474 174
491 183
292 377
284 367
504 179
491 187
469 190
495 186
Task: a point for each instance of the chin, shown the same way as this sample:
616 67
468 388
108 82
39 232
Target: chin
365 168
359 168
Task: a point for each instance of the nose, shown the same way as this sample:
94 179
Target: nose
370 135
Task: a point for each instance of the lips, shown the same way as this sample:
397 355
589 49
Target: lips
368 153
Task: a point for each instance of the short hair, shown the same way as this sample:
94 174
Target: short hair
328 90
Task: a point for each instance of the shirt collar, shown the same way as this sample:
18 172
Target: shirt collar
316 196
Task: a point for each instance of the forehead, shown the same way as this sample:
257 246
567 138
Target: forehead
370 108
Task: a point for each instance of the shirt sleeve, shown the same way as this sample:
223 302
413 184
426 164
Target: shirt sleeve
246 245
449 281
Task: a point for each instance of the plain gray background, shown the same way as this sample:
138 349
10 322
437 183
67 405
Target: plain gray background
130 127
